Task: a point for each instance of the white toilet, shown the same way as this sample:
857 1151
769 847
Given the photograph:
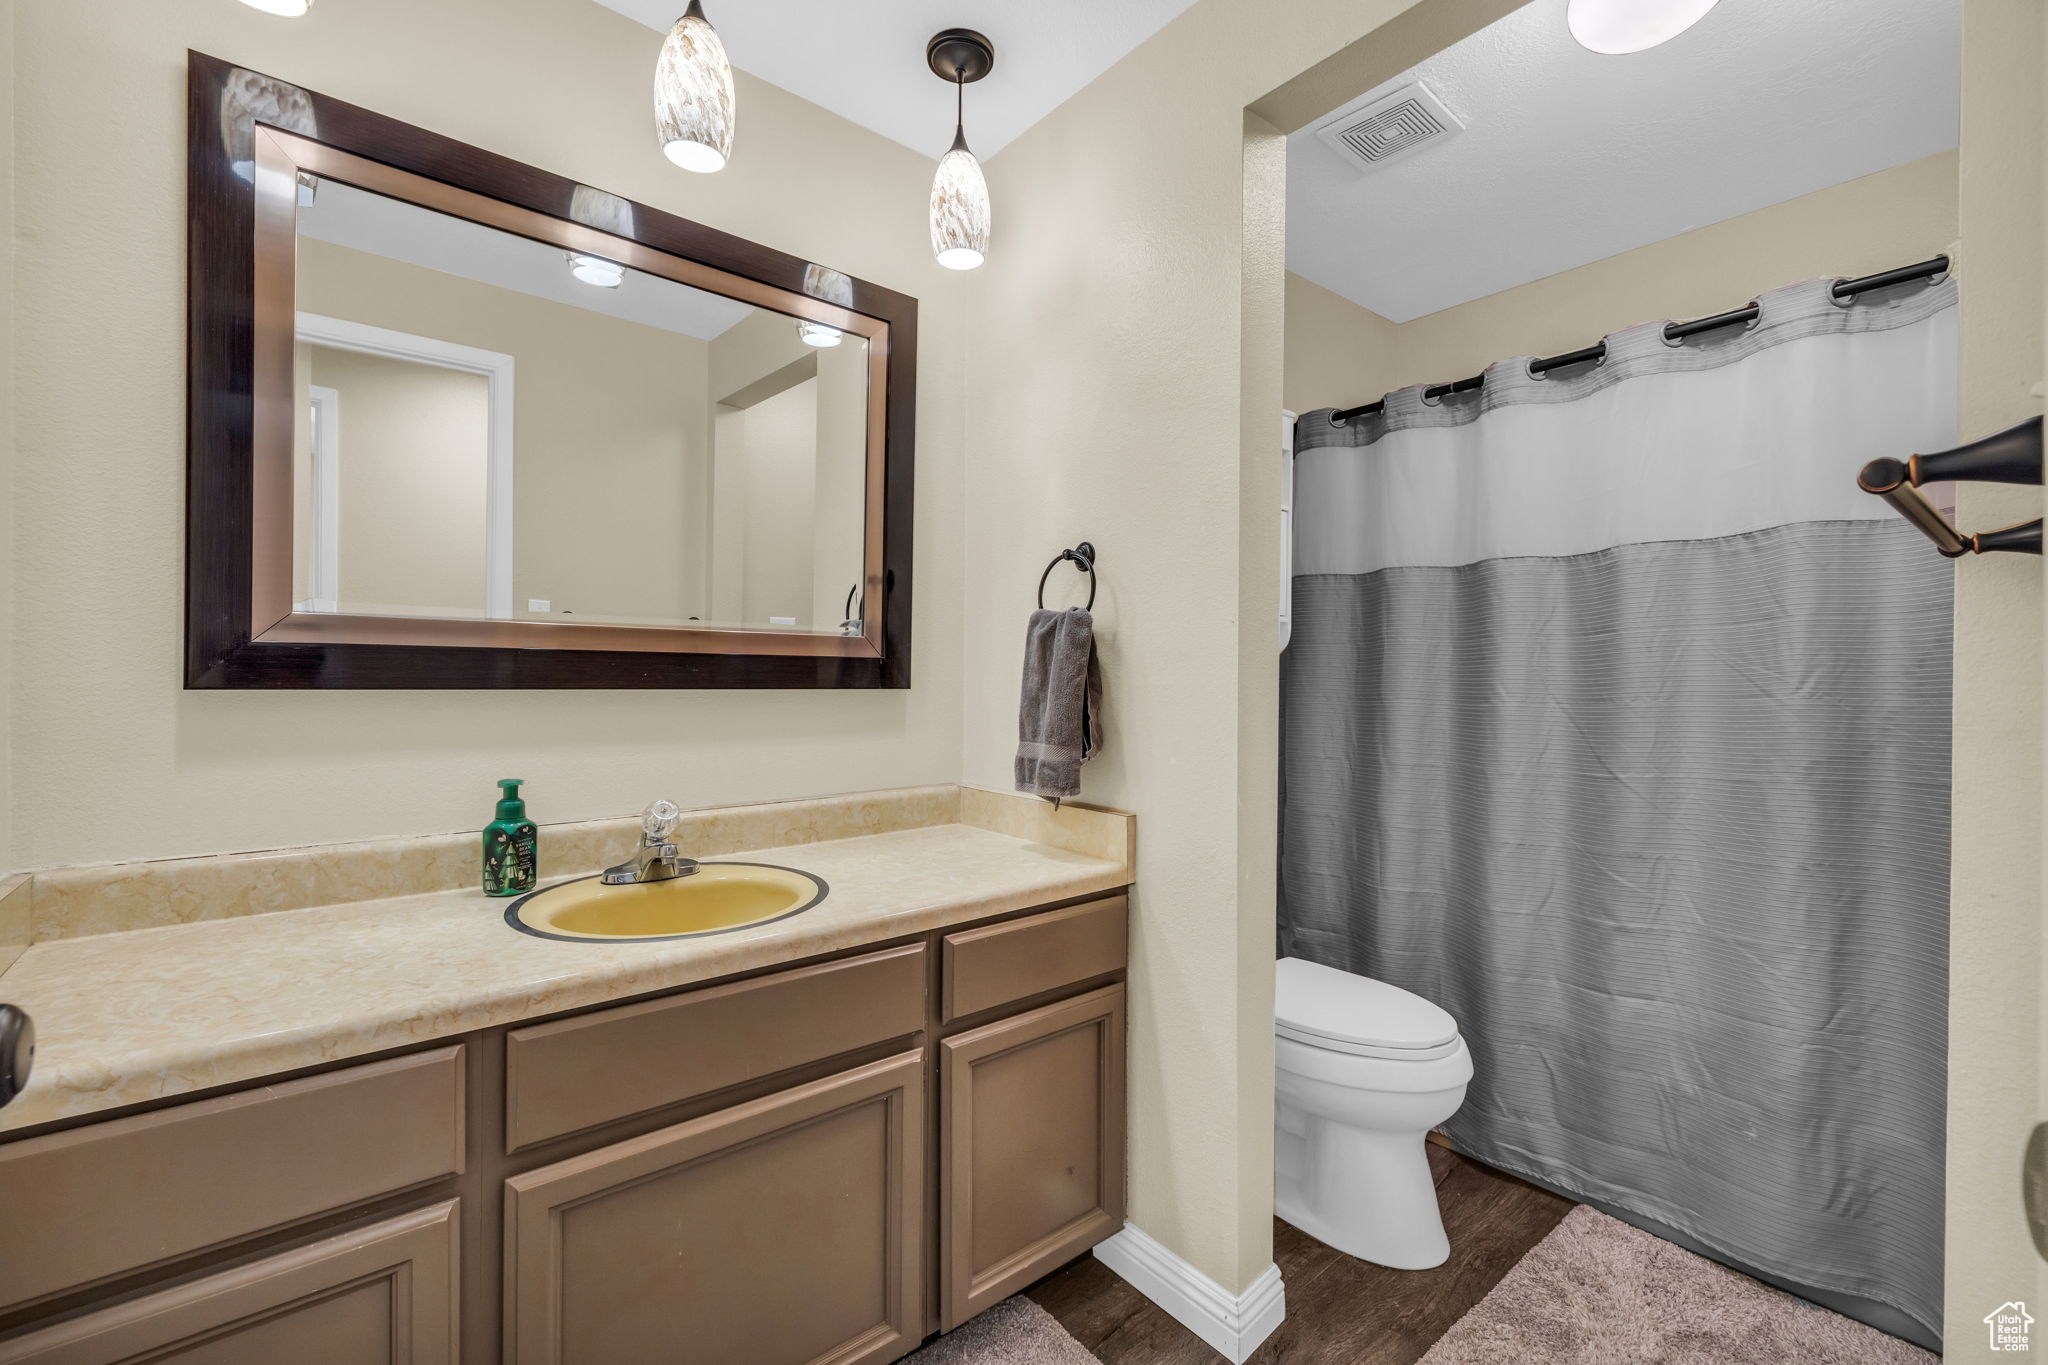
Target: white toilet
1363 1070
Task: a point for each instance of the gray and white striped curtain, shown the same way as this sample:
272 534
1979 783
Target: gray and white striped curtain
1616 721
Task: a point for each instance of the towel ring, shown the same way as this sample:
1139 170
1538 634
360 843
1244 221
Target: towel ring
1082 554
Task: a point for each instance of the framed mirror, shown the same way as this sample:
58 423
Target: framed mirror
458 422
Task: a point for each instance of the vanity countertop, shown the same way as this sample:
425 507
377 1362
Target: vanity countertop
127 1017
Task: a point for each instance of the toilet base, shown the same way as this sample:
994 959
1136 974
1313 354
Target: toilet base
1368 1194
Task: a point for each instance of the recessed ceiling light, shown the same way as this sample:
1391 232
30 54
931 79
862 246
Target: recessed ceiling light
290 9
1614 27
596 270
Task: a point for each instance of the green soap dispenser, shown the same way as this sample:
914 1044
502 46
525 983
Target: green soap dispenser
511 846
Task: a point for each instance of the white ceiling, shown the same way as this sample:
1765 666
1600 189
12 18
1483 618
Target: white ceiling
399 231
865 62
1568 157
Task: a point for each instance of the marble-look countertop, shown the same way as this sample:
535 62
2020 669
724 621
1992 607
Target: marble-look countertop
127 1017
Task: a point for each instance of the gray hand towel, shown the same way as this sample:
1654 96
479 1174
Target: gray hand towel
1059 724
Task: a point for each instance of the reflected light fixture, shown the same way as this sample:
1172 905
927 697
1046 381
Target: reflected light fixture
818 333
595 269
960 210
1614 27
693 98
290 9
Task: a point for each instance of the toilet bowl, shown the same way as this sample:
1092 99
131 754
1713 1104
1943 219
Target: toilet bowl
1362 1071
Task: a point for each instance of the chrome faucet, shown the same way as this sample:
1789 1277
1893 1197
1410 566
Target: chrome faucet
655 860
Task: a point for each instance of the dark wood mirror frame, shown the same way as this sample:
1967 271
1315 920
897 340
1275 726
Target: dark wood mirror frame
241 631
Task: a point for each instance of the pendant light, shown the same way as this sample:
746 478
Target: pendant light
693 99
960 210
1614 27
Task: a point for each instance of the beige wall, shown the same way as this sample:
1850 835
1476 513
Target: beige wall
1339 353
411 474
611 421
752 363
839 497
99 714
9 419
1108 400
752 349
782 483
1995 939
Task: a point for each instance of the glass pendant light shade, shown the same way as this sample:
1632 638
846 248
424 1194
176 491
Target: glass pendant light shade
960 210
818 333
693 96
290 9
1614 27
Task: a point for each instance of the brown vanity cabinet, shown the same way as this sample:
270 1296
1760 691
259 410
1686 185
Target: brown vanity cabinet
736 1173
1031 1163
789 1229
380 1295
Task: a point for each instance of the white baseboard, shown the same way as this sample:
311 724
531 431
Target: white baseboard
1234 1324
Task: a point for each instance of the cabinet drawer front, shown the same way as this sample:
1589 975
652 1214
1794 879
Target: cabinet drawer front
789 1229
1019 958
95 1202
381 1295
1031 1147
573 1074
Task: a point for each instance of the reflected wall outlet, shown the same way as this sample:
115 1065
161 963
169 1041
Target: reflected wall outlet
539 604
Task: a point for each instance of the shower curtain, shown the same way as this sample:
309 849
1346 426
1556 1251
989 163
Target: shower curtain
1616 721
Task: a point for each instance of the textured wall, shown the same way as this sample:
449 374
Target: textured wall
1108 401
9 841
1995 940
111 758
1338 354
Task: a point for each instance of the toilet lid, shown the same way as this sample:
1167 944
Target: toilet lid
1311 1001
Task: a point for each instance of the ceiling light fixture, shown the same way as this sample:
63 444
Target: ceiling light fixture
693 98
595 269
818 333
290 9
960 210
1614 27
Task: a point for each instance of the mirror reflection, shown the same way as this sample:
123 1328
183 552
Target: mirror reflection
491 427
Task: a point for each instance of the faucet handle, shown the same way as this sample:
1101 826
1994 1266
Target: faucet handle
659 821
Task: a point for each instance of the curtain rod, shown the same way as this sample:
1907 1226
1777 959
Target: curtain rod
1673 331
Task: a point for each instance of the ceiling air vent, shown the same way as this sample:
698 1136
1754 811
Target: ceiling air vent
1390 128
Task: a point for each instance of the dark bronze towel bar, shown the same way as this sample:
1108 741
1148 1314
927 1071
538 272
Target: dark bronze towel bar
2011 456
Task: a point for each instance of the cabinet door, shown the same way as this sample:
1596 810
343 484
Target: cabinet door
1032 1147
786 1231
381 1295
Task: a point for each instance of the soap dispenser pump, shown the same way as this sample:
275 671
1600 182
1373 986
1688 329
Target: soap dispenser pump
511 846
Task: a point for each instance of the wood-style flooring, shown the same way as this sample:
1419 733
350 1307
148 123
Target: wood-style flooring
1340 1311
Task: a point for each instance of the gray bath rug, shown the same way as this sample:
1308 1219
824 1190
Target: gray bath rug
1599 1292
1014 1332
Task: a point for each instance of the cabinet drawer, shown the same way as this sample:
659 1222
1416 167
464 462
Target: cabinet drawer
577 1073
1019 958
380 1295
99 1201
